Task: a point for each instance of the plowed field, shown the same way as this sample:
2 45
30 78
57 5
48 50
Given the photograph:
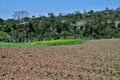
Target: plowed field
94 60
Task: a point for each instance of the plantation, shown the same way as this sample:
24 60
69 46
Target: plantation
94 60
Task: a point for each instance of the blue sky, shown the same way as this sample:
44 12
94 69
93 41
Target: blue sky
42 7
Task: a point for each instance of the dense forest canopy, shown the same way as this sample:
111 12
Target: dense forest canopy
88 25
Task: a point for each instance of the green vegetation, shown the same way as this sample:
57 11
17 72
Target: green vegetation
90 25
14 44
46 43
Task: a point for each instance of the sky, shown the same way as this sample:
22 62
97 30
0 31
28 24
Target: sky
43 7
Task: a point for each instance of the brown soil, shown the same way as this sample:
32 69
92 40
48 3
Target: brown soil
95 60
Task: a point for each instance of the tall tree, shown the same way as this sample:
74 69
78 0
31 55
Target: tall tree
19 15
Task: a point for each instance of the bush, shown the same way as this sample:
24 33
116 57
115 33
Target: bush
3 36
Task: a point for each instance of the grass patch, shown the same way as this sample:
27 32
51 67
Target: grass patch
59 42
14 44
46 43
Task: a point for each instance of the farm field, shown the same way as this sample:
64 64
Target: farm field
94 60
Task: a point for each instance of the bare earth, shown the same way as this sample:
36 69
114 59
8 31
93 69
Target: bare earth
95 60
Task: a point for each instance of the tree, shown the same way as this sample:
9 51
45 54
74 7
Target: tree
50 14
19 15
3 36
118 9
1 21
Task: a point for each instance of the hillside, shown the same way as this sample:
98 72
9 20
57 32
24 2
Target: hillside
89 25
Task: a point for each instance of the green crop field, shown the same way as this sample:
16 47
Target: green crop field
46 43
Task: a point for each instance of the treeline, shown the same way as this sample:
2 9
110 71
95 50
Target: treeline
92 25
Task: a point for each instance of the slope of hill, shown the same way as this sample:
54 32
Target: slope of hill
90 25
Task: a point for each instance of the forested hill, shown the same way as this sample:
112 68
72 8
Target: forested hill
92 25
